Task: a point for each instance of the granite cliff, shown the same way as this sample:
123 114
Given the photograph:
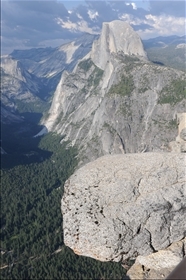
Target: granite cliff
116 36
115 100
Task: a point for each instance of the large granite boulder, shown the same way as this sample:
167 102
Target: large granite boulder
121 206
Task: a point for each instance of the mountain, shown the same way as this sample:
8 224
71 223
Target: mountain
116 36
18 88
110 99
169 51
30 76
164 41
49 63
116 100
17 82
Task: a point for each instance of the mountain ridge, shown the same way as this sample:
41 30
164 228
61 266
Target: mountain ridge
118 110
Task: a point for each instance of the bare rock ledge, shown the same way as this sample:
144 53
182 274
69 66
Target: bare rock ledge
121 206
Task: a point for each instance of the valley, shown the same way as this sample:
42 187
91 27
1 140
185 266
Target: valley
62 108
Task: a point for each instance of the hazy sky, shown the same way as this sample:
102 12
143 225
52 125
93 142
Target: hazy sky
40 23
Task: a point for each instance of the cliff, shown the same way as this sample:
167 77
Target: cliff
116 36
128 105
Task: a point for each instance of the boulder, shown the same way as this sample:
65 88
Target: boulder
121 206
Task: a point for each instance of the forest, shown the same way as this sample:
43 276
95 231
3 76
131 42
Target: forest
32 244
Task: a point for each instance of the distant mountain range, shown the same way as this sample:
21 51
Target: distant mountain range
162 42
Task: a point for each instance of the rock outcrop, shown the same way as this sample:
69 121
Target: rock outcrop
121 206
116 36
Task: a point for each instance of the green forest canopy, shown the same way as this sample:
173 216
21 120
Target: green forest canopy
31 222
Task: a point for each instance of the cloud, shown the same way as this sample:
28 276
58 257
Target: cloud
93 14
163 25
133 5
26 23
80 26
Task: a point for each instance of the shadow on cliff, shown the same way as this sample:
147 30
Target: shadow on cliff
19 145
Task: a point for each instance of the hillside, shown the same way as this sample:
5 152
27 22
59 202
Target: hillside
120 103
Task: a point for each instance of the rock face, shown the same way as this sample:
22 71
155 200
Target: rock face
121 206
17 82
128 105
180 144
49 63
116 36
17 85
30 75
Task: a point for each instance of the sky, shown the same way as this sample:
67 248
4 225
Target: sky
40 23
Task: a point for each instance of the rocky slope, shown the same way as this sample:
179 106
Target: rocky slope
49 63
16 81
118 102
169 51
30 76
18 86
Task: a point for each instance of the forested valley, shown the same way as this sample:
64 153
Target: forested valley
31 222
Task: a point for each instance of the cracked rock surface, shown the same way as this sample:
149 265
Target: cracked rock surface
121 206
158 265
